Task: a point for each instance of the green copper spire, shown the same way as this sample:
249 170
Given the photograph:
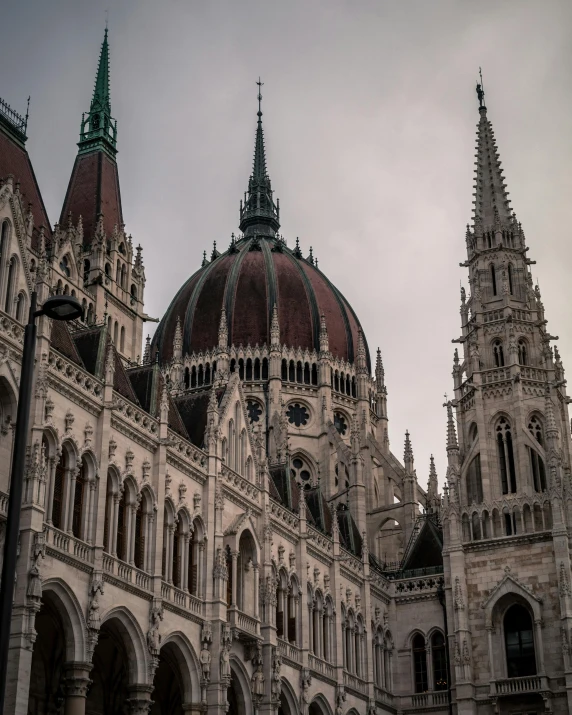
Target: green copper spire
259 214
98 128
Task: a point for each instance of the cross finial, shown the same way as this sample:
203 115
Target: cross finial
259 83
481 90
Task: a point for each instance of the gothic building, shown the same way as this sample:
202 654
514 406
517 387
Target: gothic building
220 525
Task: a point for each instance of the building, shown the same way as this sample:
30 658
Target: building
220 525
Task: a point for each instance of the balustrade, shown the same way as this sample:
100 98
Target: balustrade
69 544
321 666
511 686
287 650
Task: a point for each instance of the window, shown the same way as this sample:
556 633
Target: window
122 340
474 481
522 352
498 353
254 411
78 502
510 278
439 661
133 291
301 472
537 470
122 248
297 415
535 429
21 307
340 423
519 642
65 266
420 664
493 279
506 457
10 284
86 270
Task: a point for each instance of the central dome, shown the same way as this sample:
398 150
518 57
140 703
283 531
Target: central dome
247 281
256 273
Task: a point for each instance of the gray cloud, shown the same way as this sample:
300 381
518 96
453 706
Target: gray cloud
369 116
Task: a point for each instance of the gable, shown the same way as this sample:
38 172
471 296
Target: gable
427 549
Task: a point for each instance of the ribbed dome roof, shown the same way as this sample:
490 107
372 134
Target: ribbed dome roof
248 280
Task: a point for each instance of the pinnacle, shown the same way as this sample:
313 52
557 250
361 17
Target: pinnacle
452 443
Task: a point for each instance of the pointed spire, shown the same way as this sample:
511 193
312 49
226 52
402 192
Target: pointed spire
324 339
223 330
178 341
379 372
408 454
492 205
551 428
432 484
361 360
259 214
98 127
147 353
275 328
452 444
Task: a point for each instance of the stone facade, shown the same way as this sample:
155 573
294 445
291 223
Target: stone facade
245 540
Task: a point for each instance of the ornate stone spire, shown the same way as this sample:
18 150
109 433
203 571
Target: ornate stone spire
452 444
223 330
275 328
324 339
361 361
98 128
492 206
259 215
178 341
379 372
432 484
408 455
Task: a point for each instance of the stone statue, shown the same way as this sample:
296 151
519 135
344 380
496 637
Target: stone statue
258 681
224 663
276 679
205 659
93 617
153 635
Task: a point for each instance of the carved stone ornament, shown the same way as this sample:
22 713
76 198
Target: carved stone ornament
182 492
112 449
69 420
281 553
276 685
459 604
197 503
129 457
292 560
146 468
153 635
168 480
34 590
49 410
88 435
93 614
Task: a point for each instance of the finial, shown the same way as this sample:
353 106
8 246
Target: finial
27 114
481 91
204 263
260 84
214 254
311 256
147 353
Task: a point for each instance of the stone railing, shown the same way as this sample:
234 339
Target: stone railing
415 585
69 544
11 329
181 598
127 573
289 650
496 374
247 488
136 416
352 563
533 373
285 516
354 682
512 686
382 696
320 540
80 378
239 619
423 700
321 666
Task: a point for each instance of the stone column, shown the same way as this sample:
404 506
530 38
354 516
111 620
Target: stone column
50 495
88 535
256 593
113 525
148 560
201 582
129 533
539 645
139 701
77 683
70 498
185 563
169 554
234 556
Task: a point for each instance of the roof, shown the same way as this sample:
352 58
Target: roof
248 280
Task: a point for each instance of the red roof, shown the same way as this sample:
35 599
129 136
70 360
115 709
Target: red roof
93 189
248 282
14 159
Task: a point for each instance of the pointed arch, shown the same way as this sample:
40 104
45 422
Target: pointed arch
124 622
186 658
321 701
67 605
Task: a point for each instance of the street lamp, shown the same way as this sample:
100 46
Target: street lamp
58 307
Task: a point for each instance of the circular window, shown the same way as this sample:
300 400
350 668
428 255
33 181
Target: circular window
297 414
340 423
300 472
254 411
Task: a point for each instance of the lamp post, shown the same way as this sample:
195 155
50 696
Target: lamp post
58 307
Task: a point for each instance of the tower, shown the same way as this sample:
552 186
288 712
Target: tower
509 461
108 265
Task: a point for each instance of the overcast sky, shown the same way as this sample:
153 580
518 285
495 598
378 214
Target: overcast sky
369 115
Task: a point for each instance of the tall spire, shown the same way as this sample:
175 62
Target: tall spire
98 128
259 214
491 204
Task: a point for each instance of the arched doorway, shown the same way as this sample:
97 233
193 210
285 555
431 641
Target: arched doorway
110 674
47 692
238 693
167 695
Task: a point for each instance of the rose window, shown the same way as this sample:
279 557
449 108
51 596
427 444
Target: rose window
254 411
340 423
300 472
297 415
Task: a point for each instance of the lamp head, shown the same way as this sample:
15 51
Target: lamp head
62 307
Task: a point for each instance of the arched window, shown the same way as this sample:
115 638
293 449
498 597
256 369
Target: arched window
301 472
537 469
299 377
506 456
122 526
306 373
10 285
256 375
293 611
522 352
519 642
510 288
493 279
439 661
84 308
535 429
498 353
58 495
193 376
233 365
133 291
90 314
265 368
122 248
336 381
118 272
21 307
291 372
108 270
474 481
241 368
65 266
122 340
79 497
86 270
200 376
186 378
314 374
107 524
115 333
207 374
419 664
178 546
248 369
